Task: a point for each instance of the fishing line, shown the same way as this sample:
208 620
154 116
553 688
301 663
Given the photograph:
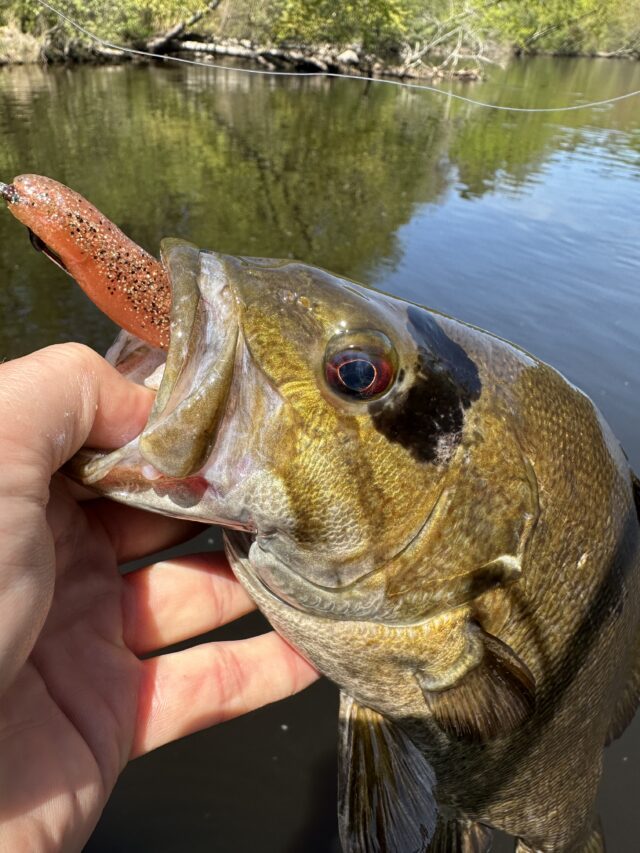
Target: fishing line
335 74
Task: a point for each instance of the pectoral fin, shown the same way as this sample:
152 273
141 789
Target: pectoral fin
385 788
490 700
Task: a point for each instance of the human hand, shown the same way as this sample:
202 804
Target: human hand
76 701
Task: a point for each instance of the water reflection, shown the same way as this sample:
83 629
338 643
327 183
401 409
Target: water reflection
525 224
324 170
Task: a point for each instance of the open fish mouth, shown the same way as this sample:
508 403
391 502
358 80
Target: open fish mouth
162 468
180 321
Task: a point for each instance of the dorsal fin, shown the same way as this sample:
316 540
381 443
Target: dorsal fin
385 786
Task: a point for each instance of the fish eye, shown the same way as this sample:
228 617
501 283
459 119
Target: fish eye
359 366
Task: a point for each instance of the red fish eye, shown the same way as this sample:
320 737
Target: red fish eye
358 374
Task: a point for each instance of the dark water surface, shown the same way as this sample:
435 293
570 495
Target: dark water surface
524 224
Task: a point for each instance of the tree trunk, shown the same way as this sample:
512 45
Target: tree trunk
159 44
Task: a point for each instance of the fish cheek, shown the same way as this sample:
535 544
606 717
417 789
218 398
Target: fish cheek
493 699
427 418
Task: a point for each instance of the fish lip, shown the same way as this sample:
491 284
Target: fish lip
192 396
198 371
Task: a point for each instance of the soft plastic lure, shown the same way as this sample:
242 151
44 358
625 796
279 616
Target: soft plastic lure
125 282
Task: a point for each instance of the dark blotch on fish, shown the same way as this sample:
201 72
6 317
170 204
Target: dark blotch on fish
446 383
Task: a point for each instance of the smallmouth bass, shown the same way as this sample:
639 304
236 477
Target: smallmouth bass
439 521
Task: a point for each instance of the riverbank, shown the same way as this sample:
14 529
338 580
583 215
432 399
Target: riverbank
394 38
18 48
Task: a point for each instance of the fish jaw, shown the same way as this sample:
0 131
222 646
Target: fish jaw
196 456
125 282
180 333
124 476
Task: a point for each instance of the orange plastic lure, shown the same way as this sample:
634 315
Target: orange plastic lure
125 282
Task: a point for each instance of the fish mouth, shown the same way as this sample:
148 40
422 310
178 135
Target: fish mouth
162 468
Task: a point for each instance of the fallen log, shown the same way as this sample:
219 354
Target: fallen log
323 60
270 55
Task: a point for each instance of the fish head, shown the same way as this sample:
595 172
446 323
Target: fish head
348 434
274 414
333 424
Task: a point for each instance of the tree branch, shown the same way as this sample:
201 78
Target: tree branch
160 43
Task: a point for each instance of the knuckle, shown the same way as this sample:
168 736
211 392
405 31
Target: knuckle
228 674
79 355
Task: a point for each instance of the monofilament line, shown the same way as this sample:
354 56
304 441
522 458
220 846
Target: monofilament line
382 80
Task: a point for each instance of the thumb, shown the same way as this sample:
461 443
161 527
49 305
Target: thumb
51 403
58 399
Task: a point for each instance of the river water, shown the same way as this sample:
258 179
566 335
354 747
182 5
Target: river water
524 224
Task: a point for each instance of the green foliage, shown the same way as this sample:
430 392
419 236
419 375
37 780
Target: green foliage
119 20
398 28
375 24
245 19
558 26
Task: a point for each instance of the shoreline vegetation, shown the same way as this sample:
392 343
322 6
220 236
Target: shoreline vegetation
396 38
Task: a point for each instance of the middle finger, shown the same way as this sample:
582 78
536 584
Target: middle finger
174 600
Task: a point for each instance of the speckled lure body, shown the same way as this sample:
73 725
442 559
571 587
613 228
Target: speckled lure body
123 280
435 518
